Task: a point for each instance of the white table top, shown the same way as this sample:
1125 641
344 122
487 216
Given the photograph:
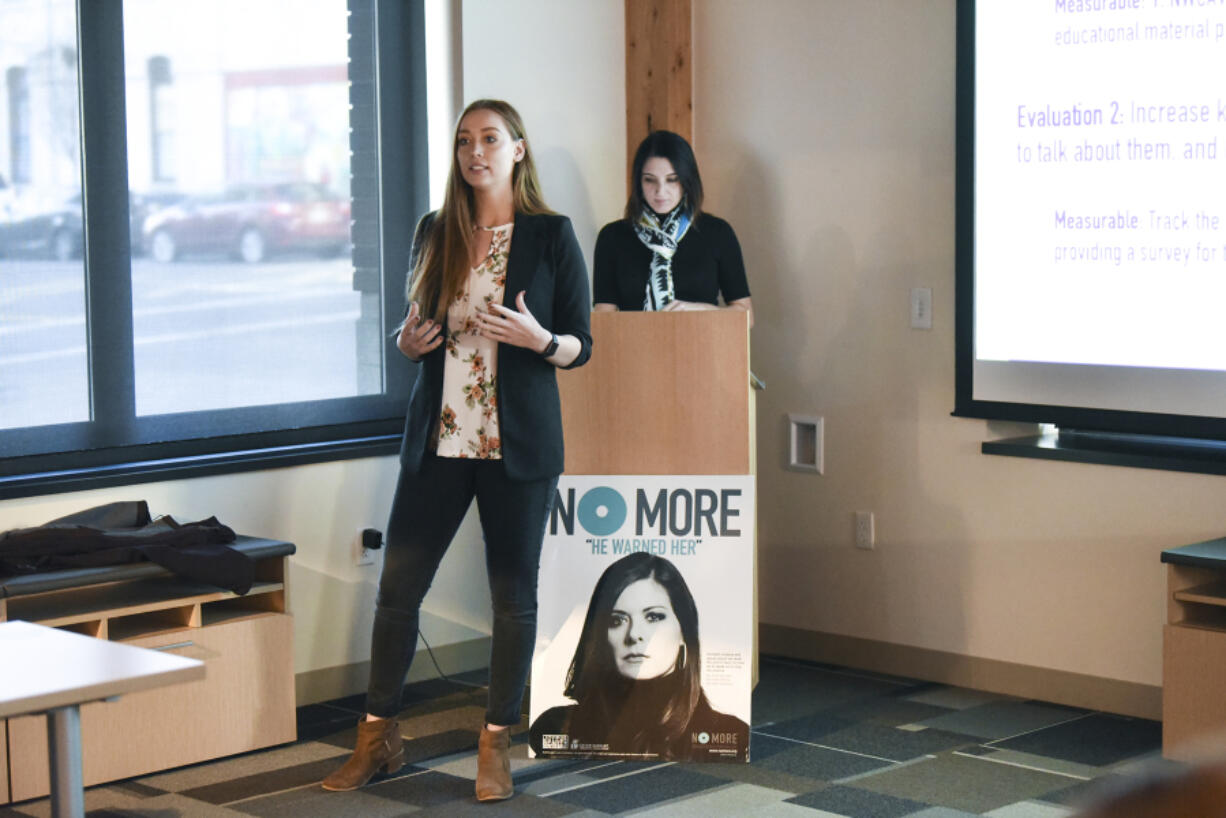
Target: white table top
45 668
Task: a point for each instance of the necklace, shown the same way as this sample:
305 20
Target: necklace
495 227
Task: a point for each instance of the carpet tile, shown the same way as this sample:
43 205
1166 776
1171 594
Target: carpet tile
314 801
422 750
239 766
137 789
1030 809
827 742
954 698
942 812
738 799
892 711
794 689
964 783
1148 764
761 776
1003 719
250 786
809 761
1078 793
812 727
424 788
319 720
526 806
640 788
893 744
1098 739
1034 762
555 769
857 803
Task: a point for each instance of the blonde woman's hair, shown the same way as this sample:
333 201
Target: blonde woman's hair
444 257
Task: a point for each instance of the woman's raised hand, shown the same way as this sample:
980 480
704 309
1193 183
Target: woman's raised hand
417 337
516 327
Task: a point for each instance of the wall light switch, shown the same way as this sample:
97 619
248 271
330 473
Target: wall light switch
866 536
921 308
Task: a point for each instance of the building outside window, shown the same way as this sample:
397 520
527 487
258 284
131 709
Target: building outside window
251 291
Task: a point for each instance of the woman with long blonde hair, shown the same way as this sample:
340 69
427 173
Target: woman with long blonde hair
498 300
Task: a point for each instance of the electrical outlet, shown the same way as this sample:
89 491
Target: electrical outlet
361 554
864 530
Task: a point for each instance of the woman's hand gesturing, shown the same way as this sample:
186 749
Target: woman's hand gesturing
686 306
516 327
416 337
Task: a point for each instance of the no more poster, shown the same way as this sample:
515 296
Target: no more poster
645 621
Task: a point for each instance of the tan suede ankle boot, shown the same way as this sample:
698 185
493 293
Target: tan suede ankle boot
378 746
494 765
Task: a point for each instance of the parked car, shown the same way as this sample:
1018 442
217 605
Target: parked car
41 229
32 229
251 222
143 205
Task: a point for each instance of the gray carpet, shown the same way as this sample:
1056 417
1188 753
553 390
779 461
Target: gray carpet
827 742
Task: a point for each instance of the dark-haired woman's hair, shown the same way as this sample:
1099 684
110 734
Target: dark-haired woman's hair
593 680
674 148
443 260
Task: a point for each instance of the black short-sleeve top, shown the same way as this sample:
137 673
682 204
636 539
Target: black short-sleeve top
706 266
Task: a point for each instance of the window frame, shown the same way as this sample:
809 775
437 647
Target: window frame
116 447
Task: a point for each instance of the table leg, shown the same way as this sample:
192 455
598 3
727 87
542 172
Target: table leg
64 743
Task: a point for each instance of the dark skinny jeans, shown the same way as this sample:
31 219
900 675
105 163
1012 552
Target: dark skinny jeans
426 511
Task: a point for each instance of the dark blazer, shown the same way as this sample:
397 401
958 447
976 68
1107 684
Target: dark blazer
547 264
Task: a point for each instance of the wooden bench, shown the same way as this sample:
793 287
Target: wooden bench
244 702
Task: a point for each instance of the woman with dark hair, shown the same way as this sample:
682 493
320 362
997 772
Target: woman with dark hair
667 253
498 300
636 675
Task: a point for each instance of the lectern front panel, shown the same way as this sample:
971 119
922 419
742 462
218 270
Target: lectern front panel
664 393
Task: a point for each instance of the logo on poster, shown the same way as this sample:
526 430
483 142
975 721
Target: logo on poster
681 512
602 511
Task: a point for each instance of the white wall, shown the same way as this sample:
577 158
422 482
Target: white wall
825 133
562 65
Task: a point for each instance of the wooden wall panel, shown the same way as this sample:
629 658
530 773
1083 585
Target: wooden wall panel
659 75
664 393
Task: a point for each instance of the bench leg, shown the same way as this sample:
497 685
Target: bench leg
64 742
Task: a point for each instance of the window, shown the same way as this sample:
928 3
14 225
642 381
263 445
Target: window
215 284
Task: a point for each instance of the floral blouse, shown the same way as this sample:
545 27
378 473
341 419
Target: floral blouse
468 423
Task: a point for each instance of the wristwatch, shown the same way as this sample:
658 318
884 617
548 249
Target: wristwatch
552 348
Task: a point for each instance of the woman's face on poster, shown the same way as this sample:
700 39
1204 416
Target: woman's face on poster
644 633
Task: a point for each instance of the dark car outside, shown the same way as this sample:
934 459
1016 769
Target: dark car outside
53 232
251 223
57 232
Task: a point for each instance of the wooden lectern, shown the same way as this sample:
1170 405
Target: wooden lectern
664 393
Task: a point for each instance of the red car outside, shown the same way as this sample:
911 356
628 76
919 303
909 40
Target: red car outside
251 223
